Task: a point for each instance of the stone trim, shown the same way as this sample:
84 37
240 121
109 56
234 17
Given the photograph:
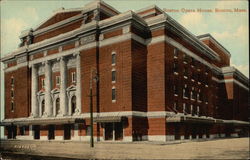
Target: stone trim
13 68
231 81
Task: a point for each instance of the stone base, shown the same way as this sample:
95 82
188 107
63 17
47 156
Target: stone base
157 138
170 138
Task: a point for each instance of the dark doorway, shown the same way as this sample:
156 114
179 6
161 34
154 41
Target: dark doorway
177 132
108 131
67 131
118 131
11 132
51 134
36 130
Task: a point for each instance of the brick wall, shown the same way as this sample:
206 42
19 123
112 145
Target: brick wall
21 90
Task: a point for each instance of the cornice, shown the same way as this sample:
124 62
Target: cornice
214 41
233 71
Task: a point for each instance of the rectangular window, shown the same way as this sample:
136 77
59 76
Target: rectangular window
175 67
57 80
192 110
12 81
113 76
185 72
12 93
184 108
175 90
88 130
113 94
73 77
176 53
198 111
12 106
113 58
185 92
192 61
176 106
185 58
43 83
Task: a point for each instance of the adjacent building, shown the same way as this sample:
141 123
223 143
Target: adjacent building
151 79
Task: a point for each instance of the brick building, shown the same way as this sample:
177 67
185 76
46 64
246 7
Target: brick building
151 79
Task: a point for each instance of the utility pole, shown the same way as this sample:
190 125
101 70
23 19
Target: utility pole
92 78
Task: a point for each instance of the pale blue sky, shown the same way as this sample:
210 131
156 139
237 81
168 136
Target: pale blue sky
230 29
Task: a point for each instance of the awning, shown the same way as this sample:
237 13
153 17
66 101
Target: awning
189 119
109 119
43 121
236 122
6 123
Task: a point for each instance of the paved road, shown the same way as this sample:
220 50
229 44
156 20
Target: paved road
235 148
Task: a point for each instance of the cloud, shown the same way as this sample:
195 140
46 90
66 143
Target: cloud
32 13
191 19
11 28
243 68
10 31
194 21
241 34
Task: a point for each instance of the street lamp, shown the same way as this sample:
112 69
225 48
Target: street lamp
93 77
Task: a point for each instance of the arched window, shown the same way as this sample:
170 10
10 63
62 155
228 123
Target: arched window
57 106
73 104
43 107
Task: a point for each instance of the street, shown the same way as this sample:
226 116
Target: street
233 148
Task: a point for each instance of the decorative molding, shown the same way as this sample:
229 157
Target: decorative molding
126 29
21 59
87 39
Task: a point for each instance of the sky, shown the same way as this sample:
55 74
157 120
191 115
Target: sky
228 28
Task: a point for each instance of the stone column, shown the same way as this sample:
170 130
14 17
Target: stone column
63 84
78 85
34 90
48 102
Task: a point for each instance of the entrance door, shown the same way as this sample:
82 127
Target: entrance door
67 131
108 131
118 131
177 132
11 132
51 134
36 132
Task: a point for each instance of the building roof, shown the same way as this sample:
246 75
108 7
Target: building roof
212 39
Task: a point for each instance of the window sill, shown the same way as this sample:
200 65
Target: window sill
113 82
185 97
176 95
113 101
185 77
175 57
199 101
184 62
206 85
113 64
192 99
192 80
175 73
199 83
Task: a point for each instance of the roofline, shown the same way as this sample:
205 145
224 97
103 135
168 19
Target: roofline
208 35
193 37
149 7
